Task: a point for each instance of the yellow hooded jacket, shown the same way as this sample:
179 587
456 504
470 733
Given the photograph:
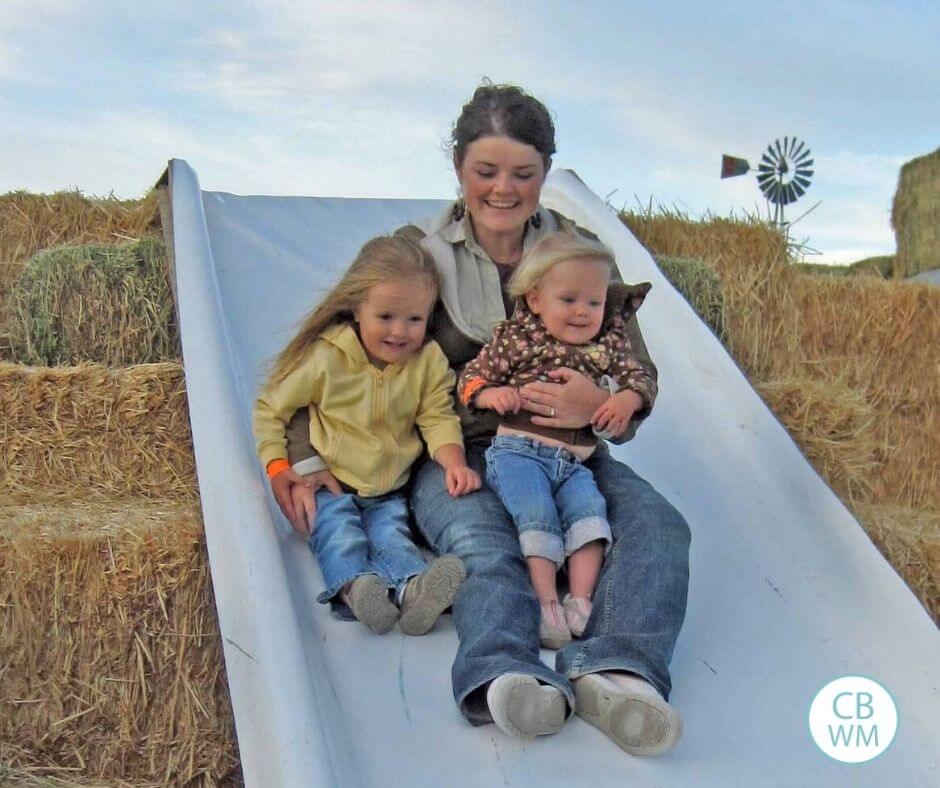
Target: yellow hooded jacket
362 419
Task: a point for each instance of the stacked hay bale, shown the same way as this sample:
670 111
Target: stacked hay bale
915 216
109 646
848 364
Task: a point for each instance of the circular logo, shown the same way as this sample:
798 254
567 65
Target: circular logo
853 719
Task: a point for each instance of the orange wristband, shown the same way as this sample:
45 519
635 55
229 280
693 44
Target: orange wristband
275 467
471 387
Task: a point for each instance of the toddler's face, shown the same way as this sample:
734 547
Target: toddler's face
570 299
392 321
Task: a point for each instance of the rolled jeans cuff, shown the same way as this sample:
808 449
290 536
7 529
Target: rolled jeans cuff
588 529
543 544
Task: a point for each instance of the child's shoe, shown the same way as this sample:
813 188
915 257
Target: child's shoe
367 597
430 594
577 612
553 629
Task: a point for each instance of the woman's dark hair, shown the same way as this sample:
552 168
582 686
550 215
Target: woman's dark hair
503 110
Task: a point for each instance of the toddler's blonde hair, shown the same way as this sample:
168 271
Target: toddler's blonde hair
553 249
387 258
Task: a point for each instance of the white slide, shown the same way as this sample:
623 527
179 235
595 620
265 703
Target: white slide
787 592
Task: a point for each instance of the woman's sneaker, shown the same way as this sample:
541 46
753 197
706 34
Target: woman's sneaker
523 708
553 629
628 710
429 594
367 597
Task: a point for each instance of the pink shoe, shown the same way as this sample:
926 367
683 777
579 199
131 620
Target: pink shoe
577 612
553 629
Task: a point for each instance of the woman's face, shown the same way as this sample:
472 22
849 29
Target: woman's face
501 180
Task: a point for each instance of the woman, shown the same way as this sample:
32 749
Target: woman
617 676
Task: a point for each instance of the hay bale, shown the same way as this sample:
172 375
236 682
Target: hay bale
881 266
112 658
109 304
910 540
93 432
700 286
31 222
832 425
915 215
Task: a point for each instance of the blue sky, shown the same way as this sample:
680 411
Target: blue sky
354 98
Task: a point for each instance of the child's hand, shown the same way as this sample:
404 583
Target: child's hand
461 479
614 415
502 399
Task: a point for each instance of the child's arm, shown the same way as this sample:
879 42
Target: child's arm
490 369
440 426
632 370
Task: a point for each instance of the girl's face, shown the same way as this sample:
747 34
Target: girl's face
501 180
392 320
570 299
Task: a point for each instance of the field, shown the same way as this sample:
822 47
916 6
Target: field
109 648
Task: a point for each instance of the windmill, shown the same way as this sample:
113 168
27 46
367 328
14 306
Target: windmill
783 174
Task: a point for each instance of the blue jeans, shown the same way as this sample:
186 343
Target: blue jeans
551 496
357 536
639 604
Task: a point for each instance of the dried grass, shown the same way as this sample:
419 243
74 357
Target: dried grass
31 222
109 304
915 215
700 286
95 433
109 648
849 365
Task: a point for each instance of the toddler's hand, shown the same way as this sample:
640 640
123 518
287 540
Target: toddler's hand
614 415
502 399
461 479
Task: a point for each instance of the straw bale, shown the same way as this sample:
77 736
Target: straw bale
832 424
915 215
910 540
111 655
93 432
880 338
31 222
700 286
110 304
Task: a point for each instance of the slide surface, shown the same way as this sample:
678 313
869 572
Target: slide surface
787 592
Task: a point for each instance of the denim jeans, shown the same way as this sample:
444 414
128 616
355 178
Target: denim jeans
639 604
357 536
550 495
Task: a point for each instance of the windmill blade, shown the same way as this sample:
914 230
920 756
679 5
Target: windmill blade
803 156
796 153
800 191
800 180
767 159
780 155
803 165
791 193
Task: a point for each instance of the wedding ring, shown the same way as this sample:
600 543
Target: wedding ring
551 413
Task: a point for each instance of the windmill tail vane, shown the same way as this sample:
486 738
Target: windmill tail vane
783 173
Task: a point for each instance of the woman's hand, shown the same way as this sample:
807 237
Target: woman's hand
614 415
296 495
569 403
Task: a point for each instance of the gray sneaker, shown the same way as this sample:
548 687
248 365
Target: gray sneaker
430 594
523 708
368 599
628 710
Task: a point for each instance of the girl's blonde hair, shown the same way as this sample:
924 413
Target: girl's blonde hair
387 258
553 249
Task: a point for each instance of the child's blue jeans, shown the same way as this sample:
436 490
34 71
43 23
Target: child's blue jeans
552 497
356 536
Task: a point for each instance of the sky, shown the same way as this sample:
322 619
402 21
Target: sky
357 98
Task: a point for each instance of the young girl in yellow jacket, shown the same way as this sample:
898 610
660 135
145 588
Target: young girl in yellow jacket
361 364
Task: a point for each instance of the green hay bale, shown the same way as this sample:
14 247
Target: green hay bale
106 304
700 286
915 215
882 266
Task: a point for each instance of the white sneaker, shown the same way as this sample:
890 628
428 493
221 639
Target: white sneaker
629 710
523 708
